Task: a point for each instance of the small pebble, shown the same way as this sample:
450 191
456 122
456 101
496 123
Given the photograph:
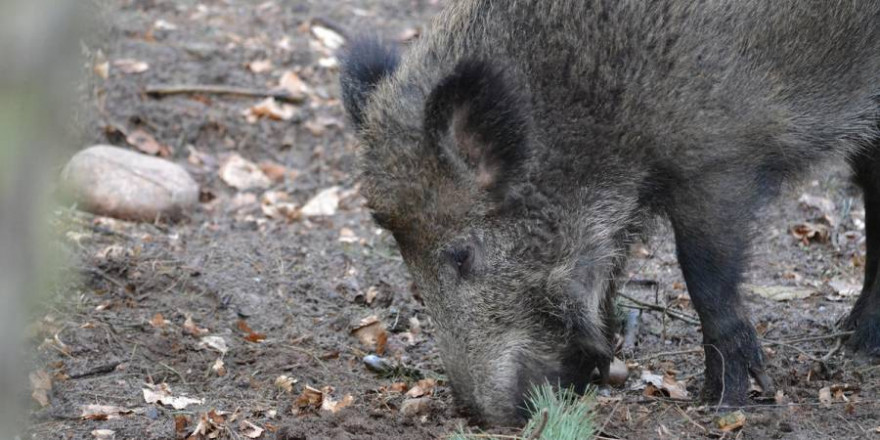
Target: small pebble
377 364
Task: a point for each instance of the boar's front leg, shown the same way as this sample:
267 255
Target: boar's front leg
711 221
864 319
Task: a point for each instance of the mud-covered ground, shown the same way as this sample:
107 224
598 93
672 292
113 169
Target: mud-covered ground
141 305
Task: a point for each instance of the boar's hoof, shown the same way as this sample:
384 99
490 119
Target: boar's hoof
728 368
866 337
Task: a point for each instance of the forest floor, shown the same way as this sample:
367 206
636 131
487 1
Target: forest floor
263 321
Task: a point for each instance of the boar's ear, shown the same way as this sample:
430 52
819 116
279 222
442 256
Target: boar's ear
477 125
365 62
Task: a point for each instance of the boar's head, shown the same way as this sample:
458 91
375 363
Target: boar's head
448 164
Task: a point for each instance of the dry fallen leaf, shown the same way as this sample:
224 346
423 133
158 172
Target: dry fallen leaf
103 412
325 203
335 406
260 66
811 232
41 383
285 383
291 83
129 65
844 289
243 174
250 335
211 425
104 434
270 109
731 421
250 430
275 172
147 144
159 321
277 205
665 385
370 331
310 398
162 394
219 367
424 387
190 327
214 342
329 38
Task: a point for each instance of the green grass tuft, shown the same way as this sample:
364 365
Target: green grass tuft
569 416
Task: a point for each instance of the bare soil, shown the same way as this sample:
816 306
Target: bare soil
98 335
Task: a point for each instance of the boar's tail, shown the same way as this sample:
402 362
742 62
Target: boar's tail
365 62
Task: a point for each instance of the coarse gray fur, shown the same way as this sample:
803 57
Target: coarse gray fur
627 110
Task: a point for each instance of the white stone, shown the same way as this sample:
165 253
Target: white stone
124 184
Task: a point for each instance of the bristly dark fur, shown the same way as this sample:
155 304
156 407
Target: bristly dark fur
493 116
544 134
365 62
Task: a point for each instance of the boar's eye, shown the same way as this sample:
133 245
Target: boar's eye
462 258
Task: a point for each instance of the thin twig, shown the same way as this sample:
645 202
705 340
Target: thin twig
669 354
667 311
837 346
814 338
542 423
166 90
175 372
689 419
787 345
610 415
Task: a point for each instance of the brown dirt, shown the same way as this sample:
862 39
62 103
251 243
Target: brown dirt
299 285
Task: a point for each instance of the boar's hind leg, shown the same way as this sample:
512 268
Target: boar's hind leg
865 316
711 234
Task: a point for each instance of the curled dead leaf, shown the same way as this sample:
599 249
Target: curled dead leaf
328 37
250 430
325 203
335 406
243 174
285 383
291 83
162 394
277 205
147 144
190 327
270 109
309 399
214 342
665 385
370 331
811 232
219 367
424 387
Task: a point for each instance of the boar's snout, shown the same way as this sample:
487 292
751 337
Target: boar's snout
493 386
